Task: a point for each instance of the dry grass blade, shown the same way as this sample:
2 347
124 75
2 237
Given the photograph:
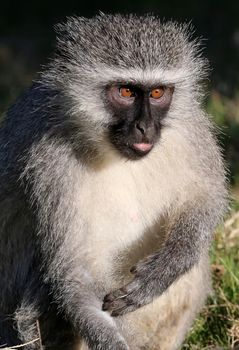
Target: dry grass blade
20 345
39 334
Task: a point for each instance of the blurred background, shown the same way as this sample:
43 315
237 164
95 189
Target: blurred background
27 39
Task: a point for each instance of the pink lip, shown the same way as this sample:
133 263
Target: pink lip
143 147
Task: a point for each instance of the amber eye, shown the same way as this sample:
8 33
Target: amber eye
126 92
157 93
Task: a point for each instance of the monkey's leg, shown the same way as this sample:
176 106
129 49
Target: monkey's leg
46 330
26 322
18 320
33 303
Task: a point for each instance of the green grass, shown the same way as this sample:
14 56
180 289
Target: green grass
217 327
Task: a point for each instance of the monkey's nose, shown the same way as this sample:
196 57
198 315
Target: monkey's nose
145 131
141 127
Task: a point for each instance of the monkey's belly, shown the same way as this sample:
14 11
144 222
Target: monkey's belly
120 229
164 323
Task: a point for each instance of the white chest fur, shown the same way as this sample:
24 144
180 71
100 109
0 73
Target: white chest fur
122 201
122 209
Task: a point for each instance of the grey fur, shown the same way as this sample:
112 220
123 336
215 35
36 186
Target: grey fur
75 215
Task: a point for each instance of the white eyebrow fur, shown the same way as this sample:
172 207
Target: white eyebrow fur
139 75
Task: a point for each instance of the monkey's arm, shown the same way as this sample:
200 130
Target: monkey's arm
188 239
52 179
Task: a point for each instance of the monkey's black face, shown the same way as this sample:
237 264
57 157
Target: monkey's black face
137 117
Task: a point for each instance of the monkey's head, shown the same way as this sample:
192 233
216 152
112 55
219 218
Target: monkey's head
123 79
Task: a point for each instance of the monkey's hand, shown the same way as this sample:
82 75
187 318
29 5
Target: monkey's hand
189 238
140 291
153 275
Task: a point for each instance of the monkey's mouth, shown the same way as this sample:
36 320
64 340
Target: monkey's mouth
132 147
141 149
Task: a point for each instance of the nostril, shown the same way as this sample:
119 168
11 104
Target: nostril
141 128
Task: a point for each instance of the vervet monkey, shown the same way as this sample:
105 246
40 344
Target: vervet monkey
111 186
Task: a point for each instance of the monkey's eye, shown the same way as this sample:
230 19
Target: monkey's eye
157 93
126 92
